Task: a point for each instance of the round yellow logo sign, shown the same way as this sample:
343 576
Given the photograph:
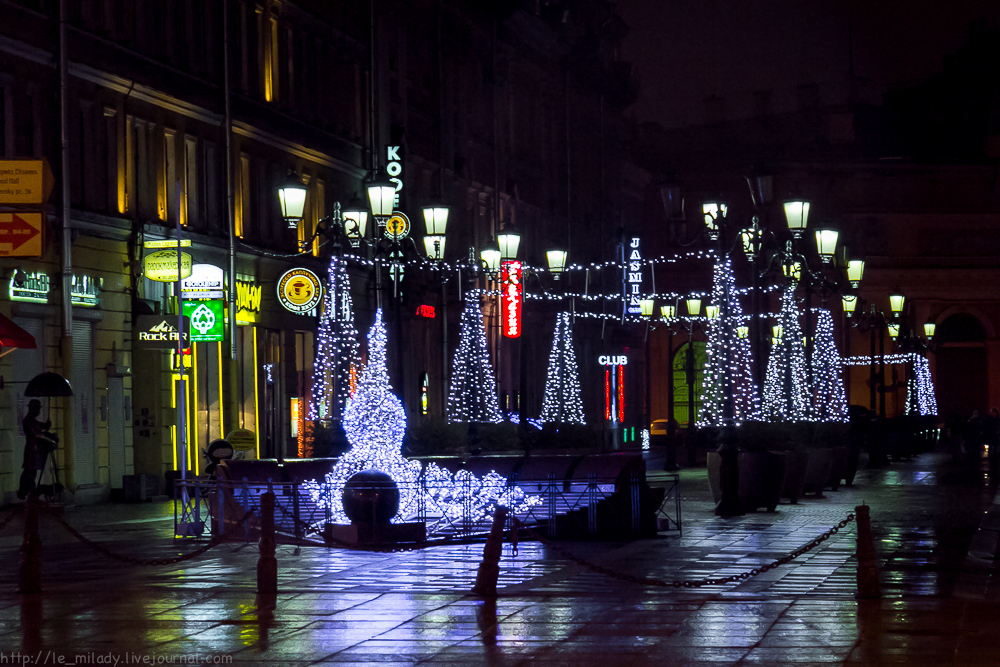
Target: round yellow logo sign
299 290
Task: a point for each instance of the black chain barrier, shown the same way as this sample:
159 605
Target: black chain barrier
214 542
696 583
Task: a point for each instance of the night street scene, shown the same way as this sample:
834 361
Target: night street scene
499 332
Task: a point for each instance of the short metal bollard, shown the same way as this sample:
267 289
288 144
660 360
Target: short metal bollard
868 584
489 569
30 575
267 564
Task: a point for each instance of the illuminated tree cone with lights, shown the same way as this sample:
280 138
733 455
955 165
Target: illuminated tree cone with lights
920 397
336 348
562 402
375 422
785 387
828 396
728 365
472 396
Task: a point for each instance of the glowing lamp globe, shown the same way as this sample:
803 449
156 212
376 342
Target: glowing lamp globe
797 216
370 496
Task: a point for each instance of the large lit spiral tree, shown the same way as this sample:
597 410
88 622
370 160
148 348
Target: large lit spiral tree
472 396
785 387
375 422
562 402
728 374
336 348
829 399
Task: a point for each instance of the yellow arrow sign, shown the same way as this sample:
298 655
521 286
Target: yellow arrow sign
21 234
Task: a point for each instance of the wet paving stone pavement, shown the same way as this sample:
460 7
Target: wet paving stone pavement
939 606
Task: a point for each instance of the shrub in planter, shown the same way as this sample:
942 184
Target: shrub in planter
434 437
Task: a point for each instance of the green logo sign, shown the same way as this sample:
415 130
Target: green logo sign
206 318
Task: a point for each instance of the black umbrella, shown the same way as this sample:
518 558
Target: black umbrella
49 384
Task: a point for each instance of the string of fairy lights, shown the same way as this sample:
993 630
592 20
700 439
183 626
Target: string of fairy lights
788 393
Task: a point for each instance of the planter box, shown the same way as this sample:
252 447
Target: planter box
818 470
794 480
761 476
838 465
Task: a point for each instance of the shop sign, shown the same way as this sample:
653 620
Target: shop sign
166 243
299 291
606 360
243 442
397 227
634 278
511 296
161 266
424 310
205 282
207 320
160 332
25 181
394 167
33 289
84 291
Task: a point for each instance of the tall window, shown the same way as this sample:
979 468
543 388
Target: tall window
191 210
242 208
685 394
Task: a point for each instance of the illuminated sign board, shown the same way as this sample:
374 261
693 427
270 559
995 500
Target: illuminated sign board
634 277
84 290
247 301
161 266
606 360
299 291
511 296
33 289
207 320
160 332
166 243
394 167
205 282
424 310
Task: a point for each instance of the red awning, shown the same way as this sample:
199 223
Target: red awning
12 335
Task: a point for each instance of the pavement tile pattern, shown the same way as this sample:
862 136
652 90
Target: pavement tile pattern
335 606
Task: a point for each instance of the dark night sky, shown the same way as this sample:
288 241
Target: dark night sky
686 52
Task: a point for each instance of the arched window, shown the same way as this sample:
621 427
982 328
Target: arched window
683 395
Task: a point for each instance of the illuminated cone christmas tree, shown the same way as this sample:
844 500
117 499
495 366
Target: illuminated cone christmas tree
785 388
728 374
472 396
562 402
829 399
336 348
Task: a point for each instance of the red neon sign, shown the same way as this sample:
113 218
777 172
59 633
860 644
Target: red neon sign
425 311
621 393
511 297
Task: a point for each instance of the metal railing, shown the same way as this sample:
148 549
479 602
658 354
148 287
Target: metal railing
594 507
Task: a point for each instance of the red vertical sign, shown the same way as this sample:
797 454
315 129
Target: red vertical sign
511 297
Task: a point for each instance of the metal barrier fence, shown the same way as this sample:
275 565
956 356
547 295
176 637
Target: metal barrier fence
590 507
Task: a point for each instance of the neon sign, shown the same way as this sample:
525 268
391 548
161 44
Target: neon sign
618 360
511 297
634 278
424 310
